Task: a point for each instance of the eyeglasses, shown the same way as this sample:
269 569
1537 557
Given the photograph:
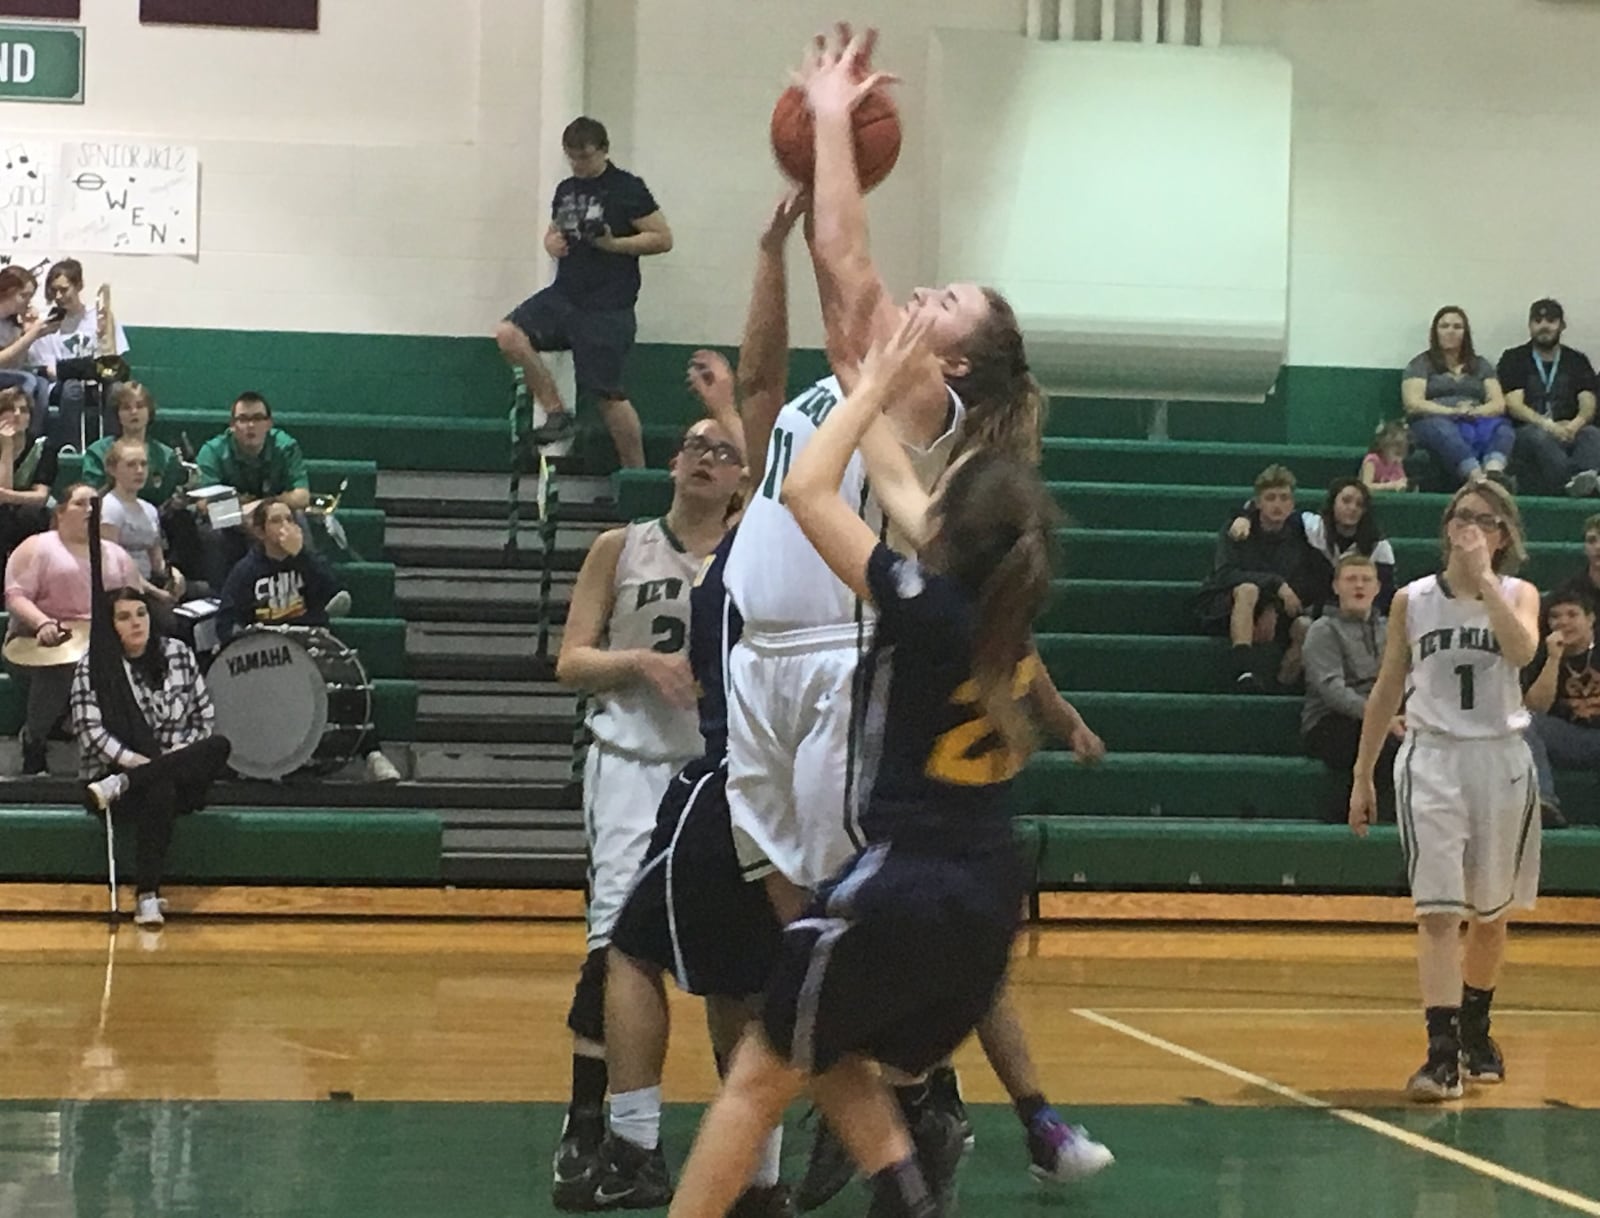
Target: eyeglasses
1486 521
251 418
721 451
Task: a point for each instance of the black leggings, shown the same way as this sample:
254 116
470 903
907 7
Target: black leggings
161 791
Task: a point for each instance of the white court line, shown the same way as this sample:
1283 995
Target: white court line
1503 1175
1411 1012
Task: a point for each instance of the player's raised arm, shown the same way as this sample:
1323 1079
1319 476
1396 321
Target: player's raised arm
856 307
764 350
811 491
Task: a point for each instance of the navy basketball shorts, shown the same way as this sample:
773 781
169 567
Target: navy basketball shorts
599 339
689 911
897 959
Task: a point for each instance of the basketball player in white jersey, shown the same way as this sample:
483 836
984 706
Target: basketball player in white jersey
1465 788
625 643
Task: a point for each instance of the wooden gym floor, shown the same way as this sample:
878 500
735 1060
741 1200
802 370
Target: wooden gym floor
418 1068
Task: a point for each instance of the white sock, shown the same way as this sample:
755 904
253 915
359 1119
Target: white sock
767 1168
636 1116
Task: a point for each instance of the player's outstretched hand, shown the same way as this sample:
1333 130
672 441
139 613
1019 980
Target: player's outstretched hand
899 363
795 203
1363 805
711 380
835 78
669 676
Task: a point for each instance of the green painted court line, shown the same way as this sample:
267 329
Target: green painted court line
1483 1167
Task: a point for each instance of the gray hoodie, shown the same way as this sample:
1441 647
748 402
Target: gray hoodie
1341 658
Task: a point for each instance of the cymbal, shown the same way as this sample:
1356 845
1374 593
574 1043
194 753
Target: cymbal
26 651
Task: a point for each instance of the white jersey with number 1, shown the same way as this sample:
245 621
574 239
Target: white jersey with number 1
1459 685
774 574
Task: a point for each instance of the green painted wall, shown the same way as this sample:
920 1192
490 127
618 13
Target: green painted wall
425 379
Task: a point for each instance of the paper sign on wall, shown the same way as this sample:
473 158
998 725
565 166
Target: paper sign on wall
103 196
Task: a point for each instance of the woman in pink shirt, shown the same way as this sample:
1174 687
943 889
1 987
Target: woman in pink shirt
47 587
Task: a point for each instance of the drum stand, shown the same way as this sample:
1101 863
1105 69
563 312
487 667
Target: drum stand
111 874
527 457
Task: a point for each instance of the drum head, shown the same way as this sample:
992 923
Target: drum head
272 703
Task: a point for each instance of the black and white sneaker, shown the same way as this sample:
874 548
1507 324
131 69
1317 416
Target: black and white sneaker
1438 1080
630 1177
1481 1061
769 1201
944 1091
576 1167
829 1168
558 425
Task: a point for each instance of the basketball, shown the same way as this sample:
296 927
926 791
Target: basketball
877 132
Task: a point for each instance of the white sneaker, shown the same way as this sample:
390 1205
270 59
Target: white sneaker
148 910
338 604
1063 1153
380 768
99 795
1583 484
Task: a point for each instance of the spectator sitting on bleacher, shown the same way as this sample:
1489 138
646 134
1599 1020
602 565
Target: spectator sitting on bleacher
1345 525
20 328
1550 393
258 460
77 338
282 583
152 754
1384 466
1256 592
47 589
1587 581
134 524
279 582
136 411
27 472
1562 689
1454 405
1343 650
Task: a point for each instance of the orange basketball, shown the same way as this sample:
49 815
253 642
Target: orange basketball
877 132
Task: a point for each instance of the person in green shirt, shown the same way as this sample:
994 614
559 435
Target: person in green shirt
136 411
259 461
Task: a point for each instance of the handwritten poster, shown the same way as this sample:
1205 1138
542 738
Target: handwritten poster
105 196
27 189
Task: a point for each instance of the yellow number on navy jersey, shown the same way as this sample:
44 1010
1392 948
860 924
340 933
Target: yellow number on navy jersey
960 756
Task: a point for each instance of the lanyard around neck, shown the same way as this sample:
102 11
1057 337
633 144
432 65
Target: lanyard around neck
1548 378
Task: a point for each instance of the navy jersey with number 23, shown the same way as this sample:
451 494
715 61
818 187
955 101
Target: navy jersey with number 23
941 771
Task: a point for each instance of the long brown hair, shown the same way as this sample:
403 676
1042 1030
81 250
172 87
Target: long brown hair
1436 355
1509 557
995 522
1006 405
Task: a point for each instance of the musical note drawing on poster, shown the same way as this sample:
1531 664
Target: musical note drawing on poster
27 190
128 197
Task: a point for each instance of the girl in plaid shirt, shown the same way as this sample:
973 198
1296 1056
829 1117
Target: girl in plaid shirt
151 791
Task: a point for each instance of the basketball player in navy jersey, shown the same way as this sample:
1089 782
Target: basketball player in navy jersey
1466 792
902 952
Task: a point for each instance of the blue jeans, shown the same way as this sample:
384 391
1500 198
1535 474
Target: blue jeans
1462 445
1544 463
1558 743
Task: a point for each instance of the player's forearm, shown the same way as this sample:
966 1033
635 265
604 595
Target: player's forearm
894 482
1383 703
764 350
1518 644
819 469
1058 716
839 213
595 669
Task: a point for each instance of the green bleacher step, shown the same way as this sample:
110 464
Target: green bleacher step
1162 462
1134 554
1139 723
1116 853
1175 786
394 707
326 477
1111 505
1133 663
235 845
1117 606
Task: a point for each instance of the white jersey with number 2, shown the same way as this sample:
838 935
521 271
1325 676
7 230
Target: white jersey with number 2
774 574
1459 685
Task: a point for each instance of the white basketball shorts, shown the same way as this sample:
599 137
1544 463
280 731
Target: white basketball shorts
620 797
792 755
1469 824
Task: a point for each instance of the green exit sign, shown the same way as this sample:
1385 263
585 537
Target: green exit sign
42 63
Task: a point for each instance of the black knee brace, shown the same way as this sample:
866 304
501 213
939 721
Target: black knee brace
587 1018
